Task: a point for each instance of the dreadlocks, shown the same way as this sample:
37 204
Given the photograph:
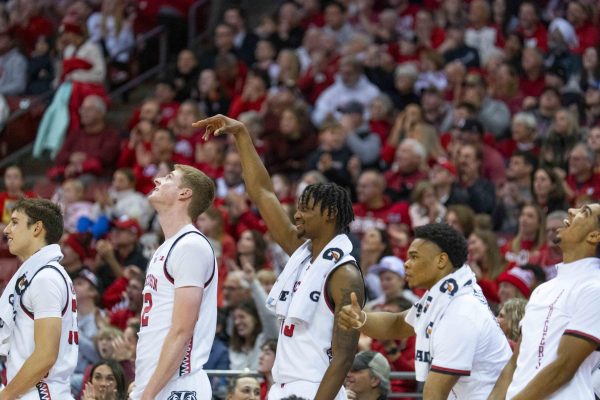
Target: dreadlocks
332 198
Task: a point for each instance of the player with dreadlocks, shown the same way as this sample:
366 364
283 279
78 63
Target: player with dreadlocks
313 353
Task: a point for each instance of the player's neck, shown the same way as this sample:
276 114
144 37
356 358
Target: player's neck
318 244
171 222
577 254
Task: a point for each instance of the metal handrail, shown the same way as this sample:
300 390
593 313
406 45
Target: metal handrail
192 15
393 375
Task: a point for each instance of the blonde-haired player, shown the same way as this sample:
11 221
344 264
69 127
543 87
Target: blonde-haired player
179 315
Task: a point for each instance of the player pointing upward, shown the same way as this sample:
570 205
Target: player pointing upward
313 354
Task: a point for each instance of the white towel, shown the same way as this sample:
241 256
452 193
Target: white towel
11 297
426 313
297 300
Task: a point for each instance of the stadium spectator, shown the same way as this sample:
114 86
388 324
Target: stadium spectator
374 245
265 366
548 190
582 180
350 84
40 68
13 67
132 306
523 133
580 15
76 251
482 194
550 253
530 237
107 380
531 26
251 329
93 149
362 142
494 115
462 218
391 274
14 190
210 94
443 177
120 250
243 387
563 135
514 283
185 74
509 317
486 262
373 208
187 138
369 377
407 169
425 206
480 34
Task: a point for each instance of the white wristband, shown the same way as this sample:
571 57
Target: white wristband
364 322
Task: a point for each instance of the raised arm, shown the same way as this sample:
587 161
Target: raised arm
257 179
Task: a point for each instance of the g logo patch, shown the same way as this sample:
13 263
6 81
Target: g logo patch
315 296
183 395
21 284
333 254
450 286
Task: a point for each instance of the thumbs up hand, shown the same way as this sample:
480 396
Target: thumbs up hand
351 315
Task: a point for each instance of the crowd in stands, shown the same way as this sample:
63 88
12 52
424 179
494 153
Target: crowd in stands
481 114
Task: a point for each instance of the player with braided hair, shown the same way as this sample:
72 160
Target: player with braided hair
313 353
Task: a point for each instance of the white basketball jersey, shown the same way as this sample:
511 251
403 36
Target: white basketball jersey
304 351
22 346
159 296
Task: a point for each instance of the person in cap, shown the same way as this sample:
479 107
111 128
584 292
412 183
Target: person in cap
365 144
87 289
560 332
387 277
38 308
75 248
444 178
466 364
515 283
121 249
369 377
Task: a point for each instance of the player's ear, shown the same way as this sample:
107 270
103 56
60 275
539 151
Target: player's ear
185 193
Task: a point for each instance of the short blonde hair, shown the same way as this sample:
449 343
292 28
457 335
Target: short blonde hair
203 189
514 311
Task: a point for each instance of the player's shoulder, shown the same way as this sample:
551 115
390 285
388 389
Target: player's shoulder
467 307
49 274
191 240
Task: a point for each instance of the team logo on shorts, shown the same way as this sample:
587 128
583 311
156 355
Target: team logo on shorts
333 254
183 395
449 286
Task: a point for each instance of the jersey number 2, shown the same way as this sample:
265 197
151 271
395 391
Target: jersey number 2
147 308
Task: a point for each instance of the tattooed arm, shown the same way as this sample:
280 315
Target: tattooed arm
344 280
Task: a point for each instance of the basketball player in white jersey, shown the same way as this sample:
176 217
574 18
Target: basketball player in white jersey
40 330
560 332
312 358
179 315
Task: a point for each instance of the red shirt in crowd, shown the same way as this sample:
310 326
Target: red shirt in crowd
405 362
389 213
538 38
591 187
587 36
522 257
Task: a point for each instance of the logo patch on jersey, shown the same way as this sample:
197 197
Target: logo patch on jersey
314 296
151 281
428 330
422 356
449 286
333 254
43 391
283 295
21 285
182 395
296 284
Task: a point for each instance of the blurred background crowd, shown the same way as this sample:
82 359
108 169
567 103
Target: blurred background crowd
482 114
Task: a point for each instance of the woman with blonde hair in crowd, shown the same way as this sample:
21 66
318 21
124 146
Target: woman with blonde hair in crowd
426 208
509 317
531 236
462 218
428 136
485 261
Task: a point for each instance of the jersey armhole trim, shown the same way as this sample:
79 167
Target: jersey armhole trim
583 335
170 277
450 371
64 310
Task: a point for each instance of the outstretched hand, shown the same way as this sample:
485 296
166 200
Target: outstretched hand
350 315
218 125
